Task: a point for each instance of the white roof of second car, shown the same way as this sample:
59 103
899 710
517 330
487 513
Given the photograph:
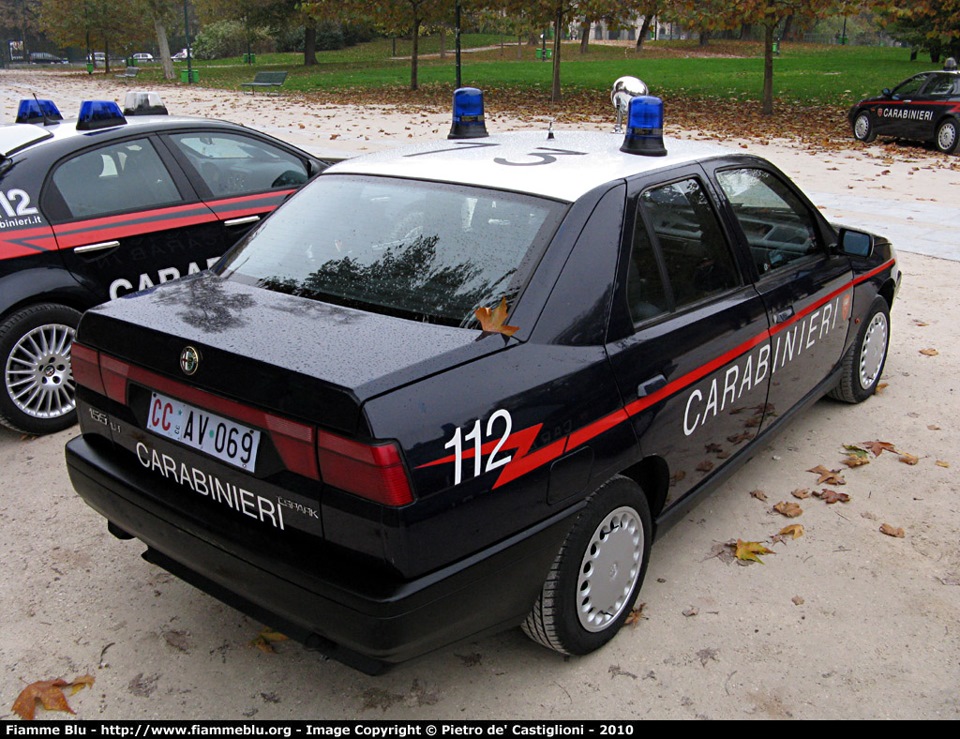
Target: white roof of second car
564 167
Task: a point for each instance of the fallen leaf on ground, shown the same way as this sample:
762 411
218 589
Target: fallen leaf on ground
879 446
797 600
50 694
691 611
758 494
788 509
747 551
908 458
801 493
881 387
896 532
705 466
266 638
832 496
635 615
929 352
794 531
831 477
941 463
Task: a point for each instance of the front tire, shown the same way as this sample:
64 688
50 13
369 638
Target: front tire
948 136
863 128
597 574
38 394
863 363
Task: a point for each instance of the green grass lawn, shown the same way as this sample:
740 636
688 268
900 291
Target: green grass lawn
724 80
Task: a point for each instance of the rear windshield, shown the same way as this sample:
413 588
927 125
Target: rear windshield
426 251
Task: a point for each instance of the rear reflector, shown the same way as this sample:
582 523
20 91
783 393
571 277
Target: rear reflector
374 472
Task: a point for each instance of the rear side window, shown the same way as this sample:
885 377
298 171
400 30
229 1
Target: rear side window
693 251
115 178
232 164
777 225
430 252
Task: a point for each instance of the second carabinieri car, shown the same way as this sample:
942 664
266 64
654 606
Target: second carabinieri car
462 386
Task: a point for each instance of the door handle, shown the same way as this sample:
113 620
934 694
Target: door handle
648 387
241 221
97 247
785 315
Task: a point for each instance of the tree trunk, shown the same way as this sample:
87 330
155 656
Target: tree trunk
557 30
106 57
414 84
310 45
443 42
584 36
644 30
767 105
704 36
164 45
787 28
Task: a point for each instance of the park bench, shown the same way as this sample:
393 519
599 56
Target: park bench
129 74
266 81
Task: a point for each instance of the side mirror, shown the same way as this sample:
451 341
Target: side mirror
887 92
855 243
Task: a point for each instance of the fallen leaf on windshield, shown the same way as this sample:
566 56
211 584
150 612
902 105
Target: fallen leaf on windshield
492 321
50 694
790 510
831 477
747 551
889 530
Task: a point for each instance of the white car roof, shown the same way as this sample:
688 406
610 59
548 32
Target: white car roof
563 167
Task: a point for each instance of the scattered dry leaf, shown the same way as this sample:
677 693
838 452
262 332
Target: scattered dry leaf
879 446
831 477
794 531
635 615
797 600
889 530
941 463
747 551
758 494
788 509
881 387
801 493
266 638
929 352
705 466
493 321
691 611
908 458
933 427
832 496
50 694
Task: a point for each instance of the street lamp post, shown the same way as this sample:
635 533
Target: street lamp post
456 40
186 31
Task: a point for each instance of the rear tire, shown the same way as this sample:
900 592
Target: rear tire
594 581
863 363
38 394
948 136
863 128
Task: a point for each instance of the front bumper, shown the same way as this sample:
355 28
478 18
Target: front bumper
367 625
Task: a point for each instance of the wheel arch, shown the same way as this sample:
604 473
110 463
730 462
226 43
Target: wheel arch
32 286
652 474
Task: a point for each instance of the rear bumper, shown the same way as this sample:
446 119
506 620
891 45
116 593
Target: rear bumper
368 625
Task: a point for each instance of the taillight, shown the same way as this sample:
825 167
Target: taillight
85 365
372 471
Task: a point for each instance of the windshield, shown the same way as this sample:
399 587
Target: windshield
426 251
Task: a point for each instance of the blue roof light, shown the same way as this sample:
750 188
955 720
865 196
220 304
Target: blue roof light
38 111
468 114
96 114
645 127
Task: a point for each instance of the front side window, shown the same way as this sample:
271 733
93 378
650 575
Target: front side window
233 164
115 178
429 252
911 87
777 225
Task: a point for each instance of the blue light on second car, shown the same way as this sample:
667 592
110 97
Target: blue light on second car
468 120
645 127
96 114
38 111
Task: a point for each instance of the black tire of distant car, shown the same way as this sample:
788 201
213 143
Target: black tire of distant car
37 396
948 135
594 581
863 363
863 128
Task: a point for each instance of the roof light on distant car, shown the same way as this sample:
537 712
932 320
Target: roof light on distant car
645 127
38 111
95 114
468 120
144 103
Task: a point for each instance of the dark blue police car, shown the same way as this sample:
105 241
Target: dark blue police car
925 107
463 386
106 204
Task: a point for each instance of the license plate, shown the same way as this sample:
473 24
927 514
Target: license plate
219 437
